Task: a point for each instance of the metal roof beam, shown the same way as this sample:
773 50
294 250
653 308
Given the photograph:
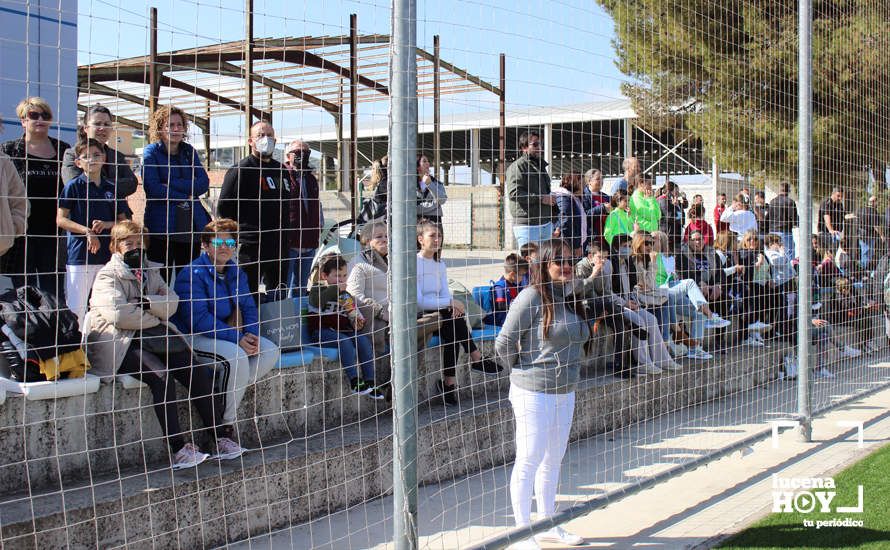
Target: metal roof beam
216 98
101 89
308 59
227 69
459 72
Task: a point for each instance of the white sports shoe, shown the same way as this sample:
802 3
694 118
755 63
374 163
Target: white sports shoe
758 326
226 449
670 365
648 368
850 352
677 350
715 321
561 536
698 353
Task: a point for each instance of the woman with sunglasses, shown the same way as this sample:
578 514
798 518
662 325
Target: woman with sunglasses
98 124
542 340
217 309
34 258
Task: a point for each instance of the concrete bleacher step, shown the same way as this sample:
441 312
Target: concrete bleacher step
305 473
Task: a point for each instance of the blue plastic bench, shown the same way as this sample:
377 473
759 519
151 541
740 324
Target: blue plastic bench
485 334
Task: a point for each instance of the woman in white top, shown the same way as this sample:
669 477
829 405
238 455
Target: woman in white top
433 295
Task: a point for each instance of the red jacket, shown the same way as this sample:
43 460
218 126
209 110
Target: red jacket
702 226
720 226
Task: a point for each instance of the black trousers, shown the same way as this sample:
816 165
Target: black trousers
179 367
37 261
172 254
454 334
265 259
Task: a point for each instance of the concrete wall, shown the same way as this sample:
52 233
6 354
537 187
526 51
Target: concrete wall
322 450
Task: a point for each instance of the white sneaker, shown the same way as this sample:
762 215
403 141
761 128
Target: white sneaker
188 456
715 321
822 372
561 536
752 341
677 350
758 326
850 352
699 354
525 544
648 368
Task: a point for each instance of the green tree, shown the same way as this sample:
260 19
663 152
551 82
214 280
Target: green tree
727 73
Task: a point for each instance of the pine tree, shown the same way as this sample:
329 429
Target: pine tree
726 72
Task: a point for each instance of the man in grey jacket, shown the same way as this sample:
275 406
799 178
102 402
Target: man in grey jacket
528 193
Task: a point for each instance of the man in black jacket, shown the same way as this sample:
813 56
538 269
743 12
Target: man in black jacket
253 194
783 219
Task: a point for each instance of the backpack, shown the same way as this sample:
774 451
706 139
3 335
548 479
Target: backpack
474 311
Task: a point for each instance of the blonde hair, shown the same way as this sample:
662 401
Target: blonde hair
123 230
32 102
725 241
159 119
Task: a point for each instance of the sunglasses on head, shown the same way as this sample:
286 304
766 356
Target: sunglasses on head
228 243
35 115
563 261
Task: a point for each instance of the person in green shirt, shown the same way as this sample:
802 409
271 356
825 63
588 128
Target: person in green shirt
619 221
644 208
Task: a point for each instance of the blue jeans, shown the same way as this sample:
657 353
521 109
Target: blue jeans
865 252
684 298
532 233
350 345
298 270
788 243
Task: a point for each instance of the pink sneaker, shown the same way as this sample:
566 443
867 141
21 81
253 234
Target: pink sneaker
188 456
226 449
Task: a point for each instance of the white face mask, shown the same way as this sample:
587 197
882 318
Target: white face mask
265 146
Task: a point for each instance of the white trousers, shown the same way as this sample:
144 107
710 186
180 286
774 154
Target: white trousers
242 370
543 422
78 284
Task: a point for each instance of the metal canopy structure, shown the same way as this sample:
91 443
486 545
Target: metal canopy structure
257 76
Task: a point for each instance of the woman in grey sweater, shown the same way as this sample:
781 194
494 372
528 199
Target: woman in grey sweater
542 339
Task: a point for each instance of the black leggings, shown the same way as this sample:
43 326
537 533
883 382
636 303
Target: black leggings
171 254
454 334
163 390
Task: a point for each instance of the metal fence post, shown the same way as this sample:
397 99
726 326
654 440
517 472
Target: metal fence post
403 269
804 204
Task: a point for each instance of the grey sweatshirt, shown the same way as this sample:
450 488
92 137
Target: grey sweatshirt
547 366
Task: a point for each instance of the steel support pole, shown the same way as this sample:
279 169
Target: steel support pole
248 68
154 83
628 138
502 151
804 204
437 118
403 269
353 113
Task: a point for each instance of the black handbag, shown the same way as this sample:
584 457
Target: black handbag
160 340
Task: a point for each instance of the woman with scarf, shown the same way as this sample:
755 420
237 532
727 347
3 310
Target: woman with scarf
572 221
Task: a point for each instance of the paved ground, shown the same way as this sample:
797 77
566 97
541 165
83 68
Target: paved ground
688 511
